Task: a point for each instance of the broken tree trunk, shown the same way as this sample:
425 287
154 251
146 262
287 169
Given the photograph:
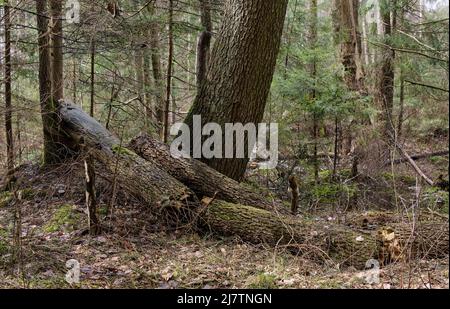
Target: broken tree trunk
164 194
137 176
202 179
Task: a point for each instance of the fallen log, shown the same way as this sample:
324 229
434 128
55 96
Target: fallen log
139 177
164 194
198 176
342 245
419 157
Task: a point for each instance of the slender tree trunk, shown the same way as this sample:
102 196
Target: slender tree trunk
57 64
204 42
91 198
386 77
174 109
289 27
56 148
169 75
365 45
140 86
139 72
346 22
92 106
401 113
7 83
336 146
401 107
75 80
313 73
238 84
19 137
157 69
147 87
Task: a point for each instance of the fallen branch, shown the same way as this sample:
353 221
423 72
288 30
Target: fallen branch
419 157
426 86
414 165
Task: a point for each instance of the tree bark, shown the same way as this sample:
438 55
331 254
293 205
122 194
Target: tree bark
202 179
237 85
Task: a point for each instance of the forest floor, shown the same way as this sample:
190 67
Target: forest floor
135 251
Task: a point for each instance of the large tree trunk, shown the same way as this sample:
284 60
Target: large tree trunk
346 24
348 36
166 195
237 85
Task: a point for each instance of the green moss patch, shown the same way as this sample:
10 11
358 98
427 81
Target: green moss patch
5 198
4 244
117 149
64 219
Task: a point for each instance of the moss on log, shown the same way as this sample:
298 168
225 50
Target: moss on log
341 244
